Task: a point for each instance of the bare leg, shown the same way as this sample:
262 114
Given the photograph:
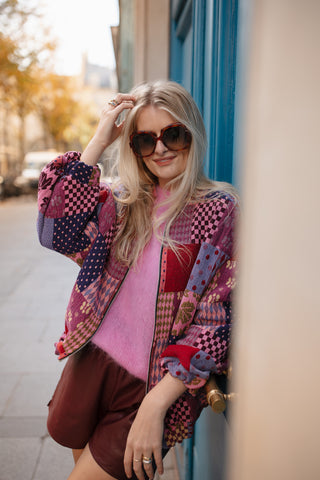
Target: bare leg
87 468
76 454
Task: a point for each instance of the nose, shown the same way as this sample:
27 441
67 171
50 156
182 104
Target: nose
160 147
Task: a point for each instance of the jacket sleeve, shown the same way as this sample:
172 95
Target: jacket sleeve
200 338
68 195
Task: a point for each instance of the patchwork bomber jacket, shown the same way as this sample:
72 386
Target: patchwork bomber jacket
78 218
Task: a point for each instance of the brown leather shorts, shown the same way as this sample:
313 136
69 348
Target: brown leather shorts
95 403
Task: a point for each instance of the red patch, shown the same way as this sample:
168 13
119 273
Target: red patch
103 194
183 352
179 268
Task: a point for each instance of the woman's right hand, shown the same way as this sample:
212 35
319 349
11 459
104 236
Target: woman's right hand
108 130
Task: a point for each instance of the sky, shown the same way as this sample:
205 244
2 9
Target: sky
81 27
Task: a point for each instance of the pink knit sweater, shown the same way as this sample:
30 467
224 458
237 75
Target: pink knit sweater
134 309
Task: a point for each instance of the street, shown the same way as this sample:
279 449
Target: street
35 287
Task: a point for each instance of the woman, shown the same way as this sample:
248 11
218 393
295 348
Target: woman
149 316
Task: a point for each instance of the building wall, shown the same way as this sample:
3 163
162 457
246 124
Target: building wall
276 419
151 46
144 40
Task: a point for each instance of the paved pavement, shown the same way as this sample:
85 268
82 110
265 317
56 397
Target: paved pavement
35 286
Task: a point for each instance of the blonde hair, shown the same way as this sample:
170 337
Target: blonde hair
137 182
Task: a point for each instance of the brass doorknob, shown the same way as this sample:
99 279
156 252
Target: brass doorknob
215 397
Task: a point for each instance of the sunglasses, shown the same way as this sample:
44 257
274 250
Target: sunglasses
175 137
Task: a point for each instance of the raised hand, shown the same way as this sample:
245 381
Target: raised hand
108 130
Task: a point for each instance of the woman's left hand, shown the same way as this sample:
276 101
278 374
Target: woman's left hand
144 441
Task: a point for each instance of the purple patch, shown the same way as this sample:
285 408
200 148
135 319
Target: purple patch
45 230
209 260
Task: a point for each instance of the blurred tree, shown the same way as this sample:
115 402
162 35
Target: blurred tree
65 118
22 53
27 83
8 71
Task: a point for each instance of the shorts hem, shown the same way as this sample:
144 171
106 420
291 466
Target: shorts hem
64 443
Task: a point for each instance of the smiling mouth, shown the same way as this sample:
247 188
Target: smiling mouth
162 161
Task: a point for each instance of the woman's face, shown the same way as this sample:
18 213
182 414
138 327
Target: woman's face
165 164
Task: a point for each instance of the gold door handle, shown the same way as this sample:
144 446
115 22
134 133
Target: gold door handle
215 397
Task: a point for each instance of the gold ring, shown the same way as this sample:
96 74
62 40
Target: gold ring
113 102
146 460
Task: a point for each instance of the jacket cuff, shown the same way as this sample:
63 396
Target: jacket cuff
189 364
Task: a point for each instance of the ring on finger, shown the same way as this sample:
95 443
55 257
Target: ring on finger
113 102
146 460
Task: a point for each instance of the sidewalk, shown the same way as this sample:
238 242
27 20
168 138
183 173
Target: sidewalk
35 287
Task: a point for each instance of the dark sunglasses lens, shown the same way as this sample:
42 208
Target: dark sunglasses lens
143 144
176 138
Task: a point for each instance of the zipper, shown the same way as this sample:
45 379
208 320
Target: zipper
155 320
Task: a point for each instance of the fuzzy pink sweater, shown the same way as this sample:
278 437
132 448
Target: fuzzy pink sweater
134 309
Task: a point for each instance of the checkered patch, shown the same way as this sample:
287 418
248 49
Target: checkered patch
79 198
181 228
178 422
207 218
215 343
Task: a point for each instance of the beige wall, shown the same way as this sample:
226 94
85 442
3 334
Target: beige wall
151 40
276 424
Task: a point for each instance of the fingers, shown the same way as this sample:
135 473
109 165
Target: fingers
143 463
139 463
157 453
147 465
121 102
110 123
120 97
127 461
116 106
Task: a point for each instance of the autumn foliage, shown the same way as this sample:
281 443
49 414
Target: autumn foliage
29 85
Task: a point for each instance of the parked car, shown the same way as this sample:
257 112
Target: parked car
34 162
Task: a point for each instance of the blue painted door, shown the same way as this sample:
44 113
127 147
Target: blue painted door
203 60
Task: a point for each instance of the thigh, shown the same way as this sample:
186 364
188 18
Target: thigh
86 467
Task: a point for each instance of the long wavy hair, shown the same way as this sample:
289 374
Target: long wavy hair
137 183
